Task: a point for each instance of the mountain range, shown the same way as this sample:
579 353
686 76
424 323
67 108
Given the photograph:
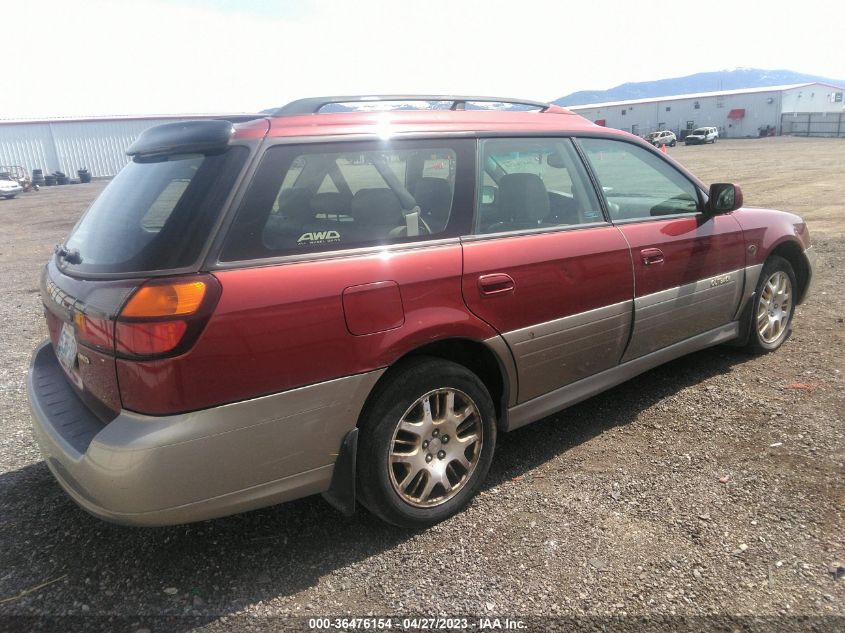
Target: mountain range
699 82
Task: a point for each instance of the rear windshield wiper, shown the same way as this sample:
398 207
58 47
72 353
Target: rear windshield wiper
69 255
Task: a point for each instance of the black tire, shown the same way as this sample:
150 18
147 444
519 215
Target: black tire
393 399
756 343
673 143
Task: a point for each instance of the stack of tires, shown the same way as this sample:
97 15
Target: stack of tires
38 177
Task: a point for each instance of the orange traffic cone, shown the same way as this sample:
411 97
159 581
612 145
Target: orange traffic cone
663 148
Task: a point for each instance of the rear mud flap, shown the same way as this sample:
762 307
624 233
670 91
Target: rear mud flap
341 493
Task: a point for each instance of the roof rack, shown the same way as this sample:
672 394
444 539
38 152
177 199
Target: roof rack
313 105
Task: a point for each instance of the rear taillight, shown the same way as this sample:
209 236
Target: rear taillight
95 331
165 317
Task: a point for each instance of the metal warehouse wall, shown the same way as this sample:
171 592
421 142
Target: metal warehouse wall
814 98
98 145
761 109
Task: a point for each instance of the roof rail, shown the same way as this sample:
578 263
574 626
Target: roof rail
313 105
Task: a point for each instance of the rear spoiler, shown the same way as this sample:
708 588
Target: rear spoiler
184 137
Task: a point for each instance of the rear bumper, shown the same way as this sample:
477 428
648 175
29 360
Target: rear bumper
13 191
145 470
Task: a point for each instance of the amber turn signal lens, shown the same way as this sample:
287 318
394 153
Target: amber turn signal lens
162 300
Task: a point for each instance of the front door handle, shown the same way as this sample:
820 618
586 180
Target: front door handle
495 284
651 256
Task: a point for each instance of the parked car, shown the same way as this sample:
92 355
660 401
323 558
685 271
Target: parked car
319 303
9 188
662 137
19 175
702 135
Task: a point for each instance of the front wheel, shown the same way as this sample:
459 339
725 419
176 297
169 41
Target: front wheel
673 143
426 444
774 306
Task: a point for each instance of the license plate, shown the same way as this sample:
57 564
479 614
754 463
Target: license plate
66 347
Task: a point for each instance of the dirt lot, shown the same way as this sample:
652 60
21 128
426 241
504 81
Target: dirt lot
713 486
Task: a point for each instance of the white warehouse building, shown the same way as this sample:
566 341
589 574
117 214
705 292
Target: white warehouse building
95 143
808 109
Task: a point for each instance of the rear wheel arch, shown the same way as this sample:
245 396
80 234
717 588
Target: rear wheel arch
476 356
792 252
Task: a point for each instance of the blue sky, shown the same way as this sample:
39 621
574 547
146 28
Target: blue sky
100 57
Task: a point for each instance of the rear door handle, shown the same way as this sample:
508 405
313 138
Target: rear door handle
651 256
495 284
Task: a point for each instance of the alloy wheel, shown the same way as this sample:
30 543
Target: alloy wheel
435 448
774 307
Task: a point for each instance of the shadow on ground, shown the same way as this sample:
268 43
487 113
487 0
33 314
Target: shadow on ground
236 561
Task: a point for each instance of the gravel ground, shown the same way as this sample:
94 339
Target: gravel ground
712 486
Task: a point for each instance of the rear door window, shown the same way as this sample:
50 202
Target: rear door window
154 216
314 198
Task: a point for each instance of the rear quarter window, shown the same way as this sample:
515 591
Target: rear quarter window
324 197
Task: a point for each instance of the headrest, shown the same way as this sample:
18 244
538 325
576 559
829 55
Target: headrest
433 192
330 202
376 207
523 197
294 204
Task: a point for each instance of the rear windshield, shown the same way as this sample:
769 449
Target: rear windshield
154 216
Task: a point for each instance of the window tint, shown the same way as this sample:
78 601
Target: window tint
307 199
533 183
636 183
155 215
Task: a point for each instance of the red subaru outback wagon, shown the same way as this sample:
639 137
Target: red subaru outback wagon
355 303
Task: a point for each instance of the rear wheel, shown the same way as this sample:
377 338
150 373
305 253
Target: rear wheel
774 306
427 441
673 143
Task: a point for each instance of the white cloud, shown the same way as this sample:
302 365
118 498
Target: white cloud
90 58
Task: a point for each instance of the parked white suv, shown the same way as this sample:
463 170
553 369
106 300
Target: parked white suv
702 135
662 137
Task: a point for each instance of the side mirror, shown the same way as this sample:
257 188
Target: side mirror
488 194
724 198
